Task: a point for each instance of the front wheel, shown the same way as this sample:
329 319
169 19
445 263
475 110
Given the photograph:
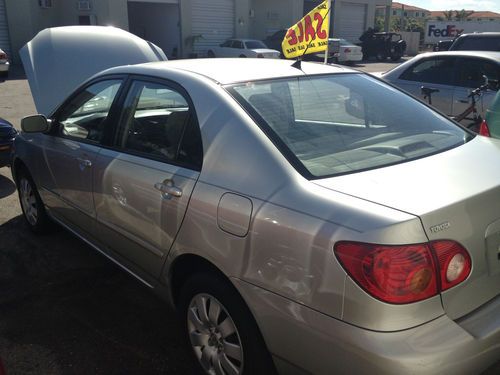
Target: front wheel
31 203
211 54
396 57
222 332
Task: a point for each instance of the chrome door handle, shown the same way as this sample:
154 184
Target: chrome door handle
85 163
168 190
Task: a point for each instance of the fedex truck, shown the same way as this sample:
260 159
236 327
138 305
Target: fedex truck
448 30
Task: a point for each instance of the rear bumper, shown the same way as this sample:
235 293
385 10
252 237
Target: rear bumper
303 340
4 67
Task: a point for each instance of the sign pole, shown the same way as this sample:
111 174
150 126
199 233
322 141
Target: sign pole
329 5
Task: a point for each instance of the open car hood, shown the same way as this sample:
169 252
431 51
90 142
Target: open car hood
59 59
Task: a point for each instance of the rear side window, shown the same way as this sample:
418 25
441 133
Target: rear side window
343 123
159 123
436 70
472 71
477 43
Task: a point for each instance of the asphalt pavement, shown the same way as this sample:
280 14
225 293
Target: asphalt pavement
64 309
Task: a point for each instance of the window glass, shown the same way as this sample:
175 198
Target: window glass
478 44
343 123
471 72
439 70
255 44
227 43
238 44
154 124
85 116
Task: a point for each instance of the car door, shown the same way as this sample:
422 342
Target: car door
435 73
238 49
143 182
71 149
471 75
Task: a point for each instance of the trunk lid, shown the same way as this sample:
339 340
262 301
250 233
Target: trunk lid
456 195
58 60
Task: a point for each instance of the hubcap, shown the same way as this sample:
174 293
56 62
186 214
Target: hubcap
28 201
214 336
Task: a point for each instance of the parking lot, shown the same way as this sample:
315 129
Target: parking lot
64 309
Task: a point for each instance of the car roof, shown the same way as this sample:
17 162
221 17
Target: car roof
486 34
232 70
485 54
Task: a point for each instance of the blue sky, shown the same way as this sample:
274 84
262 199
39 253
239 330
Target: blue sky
492 5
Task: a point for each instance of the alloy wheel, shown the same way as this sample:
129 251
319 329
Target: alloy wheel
28 201
214 336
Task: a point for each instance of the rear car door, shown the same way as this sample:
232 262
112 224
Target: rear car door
435 73
70 151
143 182
471 75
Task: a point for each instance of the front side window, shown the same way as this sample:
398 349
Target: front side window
436 70
158 122
343 123
238 44
85 116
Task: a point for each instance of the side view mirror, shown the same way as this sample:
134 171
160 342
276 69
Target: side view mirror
35 124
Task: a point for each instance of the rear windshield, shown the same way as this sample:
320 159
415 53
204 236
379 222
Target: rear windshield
335 124
477 44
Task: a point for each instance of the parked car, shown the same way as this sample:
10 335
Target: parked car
7 135
454 74
243 48
304 220
383 45
487 41
443 45
339 51
4 64
274 40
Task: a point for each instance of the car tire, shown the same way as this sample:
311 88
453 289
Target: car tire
220 329
242 56
395 57
211 54
31 204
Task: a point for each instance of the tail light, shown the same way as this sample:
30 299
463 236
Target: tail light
404 273
347 50
3 56
484 129
260 55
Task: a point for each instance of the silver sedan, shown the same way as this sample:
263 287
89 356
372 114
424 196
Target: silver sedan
451 75
301 219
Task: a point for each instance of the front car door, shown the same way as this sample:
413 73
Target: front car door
143 183
471 75
435 73
71 149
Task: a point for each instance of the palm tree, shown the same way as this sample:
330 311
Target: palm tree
462 15
448 15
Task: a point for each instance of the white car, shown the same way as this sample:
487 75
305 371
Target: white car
4 64
243 48
341 51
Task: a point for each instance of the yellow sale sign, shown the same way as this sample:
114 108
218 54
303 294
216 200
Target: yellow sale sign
310 34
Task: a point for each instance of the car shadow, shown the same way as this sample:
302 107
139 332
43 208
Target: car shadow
7 187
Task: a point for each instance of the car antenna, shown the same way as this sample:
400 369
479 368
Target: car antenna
298 63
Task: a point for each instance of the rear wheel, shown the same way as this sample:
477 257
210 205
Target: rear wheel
222 332
211 54
242 56
31 203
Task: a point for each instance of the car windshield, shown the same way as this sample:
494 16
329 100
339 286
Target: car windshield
254 44
342 123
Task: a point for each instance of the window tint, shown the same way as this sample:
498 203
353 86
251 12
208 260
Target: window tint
85 116
471 72
227 43
439 70
157 122
478 44
238 44
255 44
343 123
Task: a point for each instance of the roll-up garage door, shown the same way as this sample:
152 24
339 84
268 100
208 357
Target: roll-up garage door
352 21
213 22
4 30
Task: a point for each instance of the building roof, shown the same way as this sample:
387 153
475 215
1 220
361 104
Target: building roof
396 5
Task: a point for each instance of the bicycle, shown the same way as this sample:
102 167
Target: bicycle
475 94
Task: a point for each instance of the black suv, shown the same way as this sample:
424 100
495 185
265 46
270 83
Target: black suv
382 46
477 42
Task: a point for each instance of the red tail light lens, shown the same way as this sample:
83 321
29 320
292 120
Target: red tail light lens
3 56
404 273
484 129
